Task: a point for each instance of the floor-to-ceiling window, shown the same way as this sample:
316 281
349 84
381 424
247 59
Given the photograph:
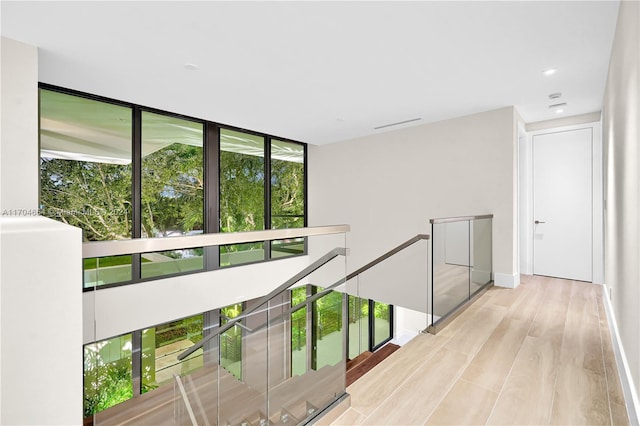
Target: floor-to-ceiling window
287 194
86 174
119 170
107 373
160 347
172 190
242 177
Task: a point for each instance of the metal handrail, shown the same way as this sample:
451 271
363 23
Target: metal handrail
284 287
461 218
388 254
149 245
338 251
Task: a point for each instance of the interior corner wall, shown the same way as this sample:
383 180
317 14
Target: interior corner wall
40 322
387 186
621 134
19 130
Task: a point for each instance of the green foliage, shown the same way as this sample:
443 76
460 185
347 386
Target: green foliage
358 308
298 329
93 196
172 191
328 313
241 192
231 340
184 329
287 194
97 196
105 383
381 311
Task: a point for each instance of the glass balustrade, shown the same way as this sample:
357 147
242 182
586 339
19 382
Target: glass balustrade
394 284
461 263
282 358
262 361
275 361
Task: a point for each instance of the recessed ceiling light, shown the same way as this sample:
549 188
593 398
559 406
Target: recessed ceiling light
190 66
558 108
550 71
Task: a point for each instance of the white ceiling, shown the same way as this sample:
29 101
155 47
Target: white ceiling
322 72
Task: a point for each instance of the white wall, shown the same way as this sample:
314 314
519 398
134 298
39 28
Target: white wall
389 185
40 322
621 133
18 156
19 167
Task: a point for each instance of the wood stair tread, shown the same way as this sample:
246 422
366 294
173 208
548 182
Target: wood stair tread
370 362
359 359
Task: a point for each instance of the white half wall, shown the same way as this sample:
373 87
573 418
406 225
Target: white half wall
621 134
19 156
40 322
387 186
123 309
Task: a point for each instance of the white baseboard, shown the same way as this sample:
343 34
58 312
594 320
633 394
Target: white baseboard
628 388
506 280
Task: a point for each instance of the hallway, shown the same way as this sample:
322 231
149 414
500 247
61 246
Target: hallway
539 354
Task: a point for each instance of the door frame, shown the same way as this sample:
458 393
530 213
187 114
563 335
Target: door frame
525 199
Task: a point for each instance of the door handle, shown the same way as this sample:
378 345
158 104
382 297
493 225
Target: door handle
538 222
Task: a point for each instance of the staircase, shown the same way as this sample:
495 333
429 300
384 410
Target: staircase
240 404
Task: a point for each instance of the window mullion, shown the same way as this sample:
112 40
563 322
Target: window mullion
212 191
136 188
267 193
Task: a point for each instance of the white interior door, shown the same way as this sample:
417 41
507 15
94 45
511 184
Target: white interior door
562 204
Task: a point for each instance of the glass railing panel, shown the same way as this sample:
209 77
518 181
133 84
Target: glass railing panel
298 393
382 323
358 326
451 266
400 280
171 262
244 360
327 329
290 247
299 335
231 341
482 270
231 386
228 381
100 271
238 254
197 390
161 346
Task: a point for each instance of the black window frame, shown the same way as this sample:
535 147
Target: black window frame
211 173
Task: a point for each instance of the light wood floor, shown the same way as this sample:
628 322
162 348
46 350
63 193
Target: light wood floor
539 354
